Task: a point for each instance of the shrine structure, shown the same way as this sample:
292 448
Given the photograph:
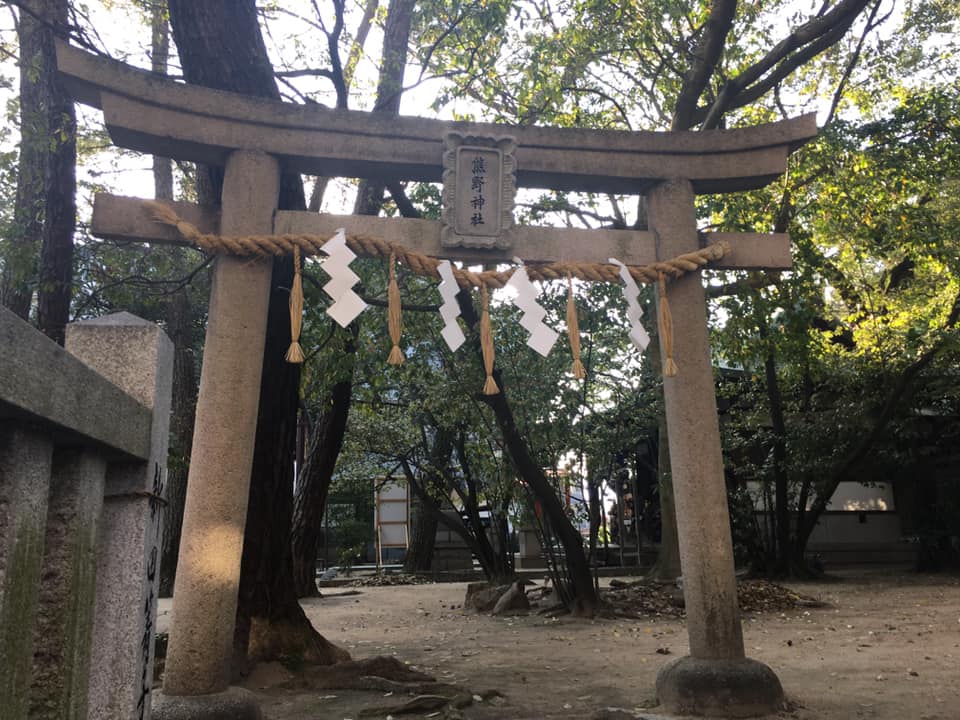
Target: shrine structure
255 139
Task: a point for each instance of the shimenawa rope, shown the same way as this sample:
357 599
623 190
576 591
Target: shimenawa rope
270 245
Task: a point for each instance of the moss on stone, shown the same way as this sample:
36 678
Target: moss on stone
62 661
21 583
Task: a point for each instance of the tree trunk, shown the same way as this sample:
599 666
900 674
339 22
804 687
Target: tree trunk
181 332
45 213
159 55
473 536
55 286
585 600
220 46
396 37
667 566
184 402
313 488
426 498
23 244
593 503
784 553
423 534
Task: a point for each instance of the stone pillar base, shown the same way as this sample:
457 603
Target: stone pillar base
720 688
232 704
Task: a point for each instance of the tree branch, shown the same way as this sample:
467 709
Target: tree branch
706 55
800 46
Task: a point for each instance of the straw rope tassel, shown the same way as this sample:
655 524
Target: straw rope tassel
573 330
666 328
486 344
394 310
295 352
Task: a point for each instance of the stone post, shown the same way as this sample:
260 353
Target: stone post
62 634
205 591
25 458
137 356
716 678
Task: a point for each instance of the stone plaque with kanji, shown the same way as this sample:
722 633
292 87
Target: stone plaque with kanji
479 185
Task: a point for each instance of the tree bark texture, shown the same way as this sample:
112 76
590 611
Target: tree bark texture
396 37
423 533
667 566
55 282
45 212
23 244
220 46
181 331
159 56
313 488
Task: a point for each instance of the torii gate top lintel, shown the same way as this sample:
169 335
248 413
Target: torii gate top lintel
152 114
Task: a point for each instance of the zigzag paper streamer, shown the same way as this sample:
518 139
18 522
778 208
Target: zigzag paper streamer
638 334
450 309
346 303
541 337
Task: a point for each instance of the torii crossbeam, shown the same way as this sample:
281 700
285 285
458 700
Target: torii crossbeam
255 138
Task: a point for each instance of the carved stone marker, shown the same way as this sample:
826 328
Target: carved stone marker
131 521
479 186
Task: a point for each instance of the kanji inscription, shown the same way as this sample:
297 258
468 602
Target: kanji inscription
479 185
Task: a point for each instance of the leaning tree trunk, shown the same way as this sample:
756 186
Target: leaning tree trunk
220 46
313 487
585 601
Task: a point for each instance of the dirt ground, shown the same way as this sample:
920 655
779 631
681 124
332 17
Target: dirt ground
887 647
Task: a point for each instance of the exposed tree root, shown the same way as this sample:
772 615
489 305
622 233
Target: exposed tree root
430 703
419 704
293 638
387 674
376 673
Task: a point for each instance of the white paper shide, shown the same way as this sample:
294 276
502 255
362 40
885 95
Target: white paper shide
541 337
450 309
638 333
346 303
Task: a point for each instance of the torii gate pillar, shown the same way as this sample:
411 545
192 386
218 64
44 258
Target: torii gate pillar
197 674
715 678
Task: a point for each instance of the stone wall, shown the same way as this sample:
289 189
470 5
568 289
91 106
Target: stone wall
81 462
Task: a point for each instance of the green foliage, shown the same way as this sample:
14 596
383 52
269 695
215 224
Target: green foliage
873 215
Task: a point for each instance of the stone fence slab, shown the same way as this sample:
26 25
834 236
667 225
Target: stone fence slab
83 446
52 388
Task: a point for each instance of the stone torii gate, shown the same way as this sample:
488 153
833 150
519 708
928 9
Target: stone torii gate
254 139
